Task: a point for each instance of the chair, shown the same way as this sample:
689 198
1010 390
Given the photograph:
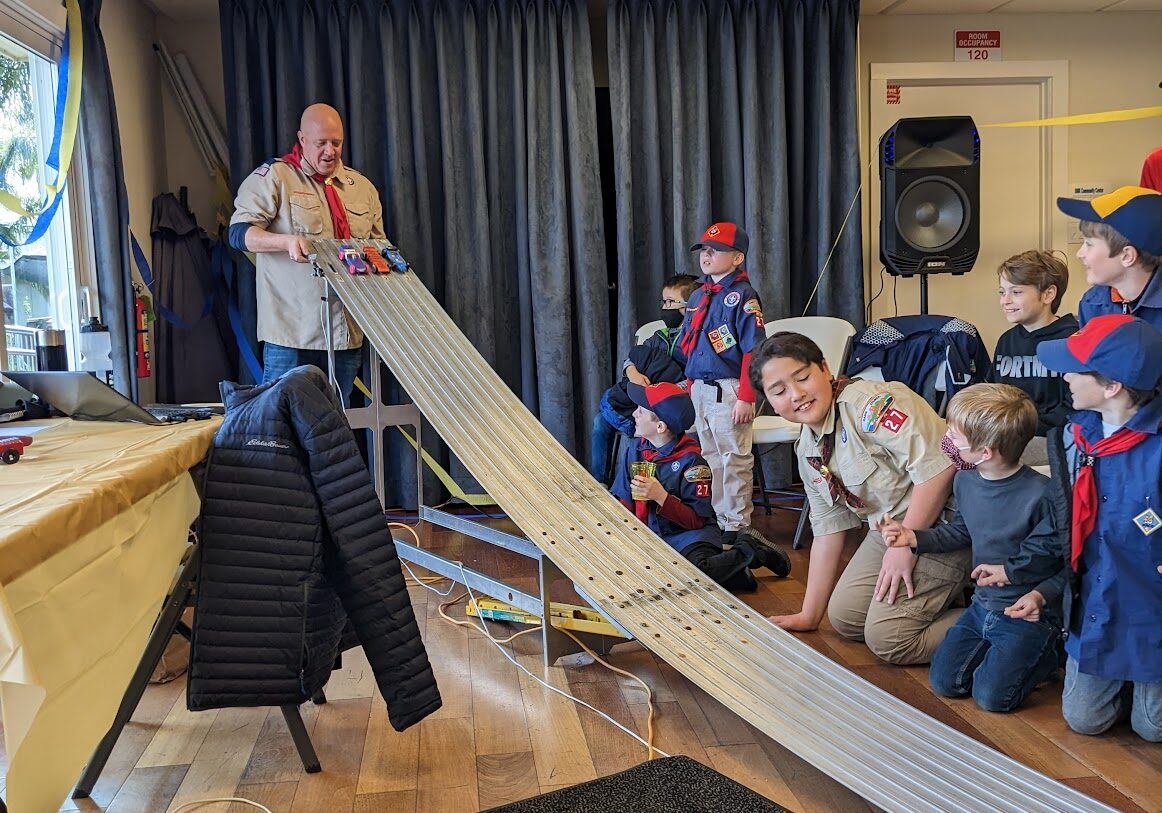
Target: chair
647 330
833 336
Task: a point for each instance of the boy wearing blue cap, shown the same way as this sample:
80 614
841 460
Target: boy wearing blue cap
1113 456
724 323
665 481
1121 250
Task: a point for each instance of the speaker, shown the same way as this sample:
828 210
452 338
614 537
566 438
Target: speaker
930 196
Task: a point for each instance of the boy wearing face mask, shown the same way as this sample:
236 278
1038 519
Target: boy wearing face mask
649 363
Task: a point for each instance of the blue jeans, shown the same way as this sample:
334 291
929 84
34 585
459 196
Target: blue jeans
1093 704
278 359
601 448
997 659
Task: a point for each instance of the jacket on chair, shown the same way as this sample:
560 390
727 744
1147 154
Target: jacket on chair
293 545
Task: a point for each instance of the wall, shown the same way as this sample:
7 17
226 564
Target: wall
1114 63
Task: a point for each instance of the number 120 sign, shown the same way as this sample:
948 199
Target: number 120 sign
973 46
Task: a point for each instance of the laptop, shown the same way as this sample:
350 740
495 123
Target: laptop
83 397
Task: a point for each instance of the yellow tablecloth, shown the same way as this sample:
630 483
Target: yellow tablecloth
93 524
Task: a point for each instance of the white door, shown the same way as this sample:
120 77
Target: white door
1016 184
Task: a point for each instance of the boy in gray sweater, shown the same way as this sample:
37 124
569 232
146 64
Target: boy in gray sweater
1008 640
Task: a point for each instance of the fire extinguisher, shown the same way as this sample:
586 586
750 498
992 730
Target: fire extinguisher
142 316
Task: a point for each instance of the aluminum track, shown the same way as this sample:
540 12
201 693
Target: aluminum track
883 749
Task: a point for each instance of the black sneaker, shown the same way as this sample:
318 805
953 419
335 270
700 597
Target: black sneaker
767 553
742 582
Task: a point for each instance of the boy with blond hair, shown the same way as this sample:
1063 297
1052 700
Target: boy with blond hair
1007 641
1121 250
1031 285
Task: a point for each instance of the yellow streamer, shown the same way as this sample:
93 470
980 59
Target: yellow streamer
440 472
72 115
1087 118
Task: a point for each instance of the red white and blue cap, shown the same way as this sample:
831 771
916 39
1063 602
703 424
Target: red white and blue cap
670 402
1134 211
1119 347
724 236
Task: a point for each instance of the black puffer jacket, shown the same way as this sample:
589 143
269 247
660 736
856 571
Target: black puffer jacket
293 543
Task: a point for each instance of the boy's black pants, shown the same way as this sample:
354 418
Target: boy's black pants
724 566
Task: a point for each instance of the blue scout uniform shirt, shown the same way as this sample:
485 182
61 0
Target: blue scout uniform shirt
1115 630
1099 301
733 328
685 476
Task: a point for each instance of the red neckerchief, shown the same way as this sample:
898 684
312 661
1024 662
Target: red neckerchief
1085 489
826 446
652 454
698 317
339 222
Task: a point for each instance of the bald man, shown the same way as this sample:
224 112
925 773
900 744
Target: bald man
307 194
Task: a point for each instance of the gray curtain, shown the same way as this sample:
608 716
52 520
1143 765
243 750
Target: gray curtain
740 110
476 121
108 201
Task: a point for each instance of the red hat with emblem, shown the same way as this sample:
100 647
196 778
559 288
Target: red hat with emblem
1117 346
724 236
670 402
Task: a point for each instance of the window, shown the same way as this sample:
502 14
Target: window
39 281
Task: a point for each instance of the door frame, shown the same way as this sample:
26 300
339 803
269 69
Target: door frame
1052 78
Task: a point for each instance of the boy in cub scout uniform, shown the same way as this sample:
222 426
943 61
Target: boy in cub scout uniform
867 448
665 481
307 194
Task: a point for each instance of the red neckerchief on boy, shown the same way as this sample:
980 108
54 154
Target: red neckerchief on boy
1085 489
698 317
652 454
339 221
826 446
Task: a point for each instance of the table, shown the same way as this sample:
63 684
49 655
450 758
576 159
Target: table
93 524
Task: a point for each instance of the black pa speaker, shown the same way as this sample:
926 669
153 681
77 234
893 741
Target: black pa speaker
930 196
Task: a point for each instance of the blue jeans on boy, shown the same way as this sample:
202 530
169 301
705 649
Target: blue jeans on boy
1092 704
607 423
997 659
278 359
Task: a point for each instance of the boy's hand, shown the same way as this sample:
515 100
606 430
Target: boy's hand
895 534
1027 606
897 567
743 411
635 375
990 576
648 488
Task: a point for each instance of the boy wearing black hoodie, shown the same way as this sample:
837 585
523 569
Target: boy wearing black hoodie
1032 285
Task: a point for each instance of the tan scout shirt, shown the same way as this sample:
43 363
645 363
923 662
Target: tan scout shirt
886 440
284 200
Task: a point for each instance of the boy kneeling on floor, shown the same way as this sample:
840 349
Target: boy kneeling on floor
664 480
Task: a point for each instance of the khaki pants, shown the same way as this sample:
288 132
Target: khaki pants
727 449
908 631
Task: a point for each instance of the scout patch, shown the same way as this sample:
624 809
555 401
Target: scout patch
262 170
721 338
893 419
752 306
696 473
1148 521
732 299
869 421
677 464
843 435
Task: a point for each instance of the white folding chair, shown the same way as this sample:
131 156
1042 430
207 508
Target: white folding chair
647 330
833 336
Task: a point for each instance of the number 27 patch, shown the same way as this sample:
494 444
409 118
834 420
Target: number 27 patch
893 420
702 490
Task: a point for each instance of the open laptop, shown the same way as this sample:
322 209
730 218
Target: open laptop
82 396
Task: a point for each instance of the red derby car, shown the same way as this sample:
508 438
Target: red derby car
12 447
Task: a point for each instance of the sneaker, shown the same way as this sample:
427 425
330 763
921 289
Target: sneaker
767 553
742 582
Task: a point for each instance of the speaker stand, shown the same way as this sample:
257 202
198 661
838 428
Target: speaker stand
924 294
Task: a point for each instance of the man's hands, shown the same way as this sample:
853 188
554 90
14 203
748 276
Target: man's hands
648 488
895 533
743 411
990 576
298 248
897 567
1027 606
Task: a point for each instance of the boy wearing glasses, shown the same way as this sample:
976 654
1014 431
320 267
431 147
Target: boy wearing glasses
649 363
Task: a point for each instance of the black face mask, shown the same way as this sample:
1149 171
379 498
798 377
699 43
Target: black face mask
673 317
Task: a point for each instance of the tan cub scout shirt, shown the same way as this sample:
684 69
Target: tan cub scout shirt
284 200
886 440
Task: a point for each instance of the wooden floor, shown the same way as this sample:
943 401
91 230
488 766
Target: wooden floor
500 736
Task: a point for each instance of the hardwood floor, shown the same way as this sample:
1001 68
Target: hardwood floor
501 736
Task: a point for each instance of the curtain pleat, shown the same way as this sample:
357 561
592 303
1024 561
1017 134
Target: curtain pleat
476 121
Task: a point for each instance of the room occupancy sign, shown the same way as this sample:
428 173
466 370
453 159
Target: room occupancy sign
973 46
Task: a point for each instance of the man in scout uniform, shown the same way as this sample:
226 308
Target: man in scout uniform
867 448
665 481
307 194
